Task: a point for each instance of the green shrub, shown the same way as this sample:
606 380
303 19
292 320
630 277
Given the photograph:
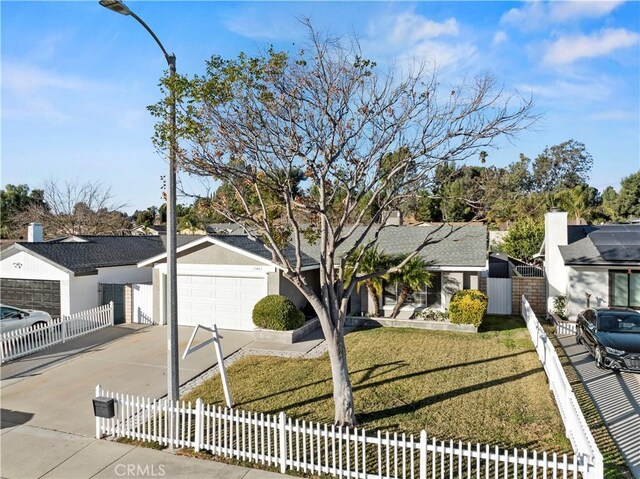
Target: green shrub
278 313
560 306
468 306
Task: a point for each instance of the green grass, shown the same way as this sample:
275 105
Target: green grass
487 387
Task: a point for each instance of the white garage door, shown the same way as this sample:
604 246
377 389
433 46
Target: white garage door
227 301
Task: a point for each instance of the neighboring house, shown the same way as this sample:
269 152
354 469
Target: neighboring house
153 230
63 276
593 266
226 229
456 255
221 278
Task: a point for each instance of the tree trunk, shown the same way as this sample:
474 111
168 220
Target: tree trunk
342 392
374 299
404 293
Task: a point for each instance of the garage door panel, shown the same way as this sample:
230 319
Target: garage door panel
31 294
226 301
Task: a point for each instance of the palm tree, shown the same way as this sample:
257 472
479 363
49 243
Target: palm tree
413 276
371 262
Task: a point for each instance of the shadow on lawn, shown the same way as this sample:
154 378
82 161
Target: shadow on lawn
501 323
427 401
361 385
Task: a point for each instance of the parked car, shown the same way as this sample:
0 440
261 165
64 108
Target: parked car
14 318
612 335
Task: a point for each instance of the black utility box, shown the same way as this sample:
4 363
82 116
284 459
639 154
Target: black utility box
104 407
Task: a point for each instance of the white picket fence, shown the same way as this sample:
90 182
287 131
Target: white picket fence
567 328
310 447
575 424
25 341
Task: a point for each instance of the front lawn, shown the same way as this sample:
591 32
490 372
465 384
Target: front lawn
487 387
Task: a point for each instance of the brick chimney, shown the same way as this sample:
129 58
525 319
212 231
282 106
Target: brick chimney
34 233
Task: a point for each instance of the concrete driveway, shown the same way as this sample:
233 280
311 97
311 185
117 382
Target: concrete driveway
617 397
53 389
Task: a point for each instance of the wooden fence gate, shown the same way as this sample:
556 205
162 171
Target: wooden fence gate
113 293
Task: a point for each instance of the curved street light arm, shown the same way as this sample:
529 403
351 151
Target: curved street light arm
171 58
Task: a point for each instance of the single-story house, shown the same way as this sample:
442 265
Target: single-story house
456 254
221 278
64 276
591 265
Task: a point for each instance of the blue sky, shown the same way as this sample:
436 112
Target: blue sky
76 78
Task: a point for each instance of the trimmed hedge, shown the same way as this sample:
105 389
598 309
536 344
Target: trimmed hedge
278 313
468 306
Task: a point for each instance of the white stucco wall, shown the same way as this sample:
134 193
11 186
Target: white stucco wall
583 280
124 275
23 265
85 292
555 234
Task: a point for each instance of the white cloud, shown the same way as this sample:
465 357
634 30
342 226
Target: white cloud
536 14
571 10
408 36
531 16
568 49
258 25
32 91
416 28
613 115
23 78
499 38
576 92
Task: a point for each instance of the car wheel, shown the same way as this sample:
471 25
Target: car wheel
599 358
578 336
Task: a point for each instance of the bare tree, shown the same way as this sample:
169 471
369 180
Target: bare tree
256 123
77 209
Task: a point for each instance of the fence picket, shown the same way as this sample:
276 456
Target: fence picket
322 449
22 342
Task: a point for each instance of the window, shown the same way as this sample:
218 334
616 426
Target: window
8 313
429 297
624 289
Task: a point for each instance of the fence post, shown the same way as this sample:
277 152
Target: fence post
423 454
198 419
98 428
598 463
111 314
282 423
64 330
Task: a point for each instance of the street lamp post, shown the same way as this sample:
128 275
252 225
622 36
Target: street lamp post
172 297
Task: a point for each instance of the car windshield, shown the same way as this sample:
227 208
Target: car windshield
620 322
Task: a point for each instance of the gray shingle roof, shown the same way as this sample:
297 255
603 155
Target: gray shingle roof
452 245
98 251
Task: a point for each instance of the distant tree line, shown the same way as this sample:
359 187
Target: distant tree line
519 192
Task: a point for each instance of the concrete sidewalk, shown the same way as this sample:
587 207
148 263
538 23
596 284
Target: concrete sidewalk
47 422
33 452
616 396
56 386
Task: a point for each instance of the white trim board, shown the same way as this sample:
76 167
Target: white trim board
219 270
